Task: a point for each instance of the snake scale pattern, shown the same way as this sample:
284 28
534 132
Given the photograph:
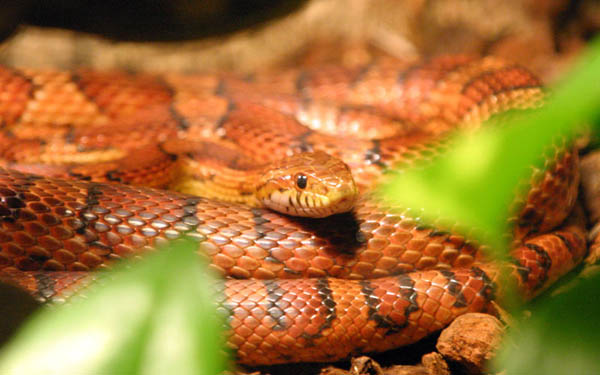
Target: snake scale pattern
302 289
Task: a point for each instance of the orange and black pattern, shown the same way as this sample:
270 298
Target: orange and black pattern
53 226
318 289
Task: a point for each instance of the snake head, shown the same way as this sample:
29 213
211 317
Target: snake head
310 184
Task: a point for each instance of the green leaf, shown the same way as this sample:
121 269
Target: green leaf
153 317
561 337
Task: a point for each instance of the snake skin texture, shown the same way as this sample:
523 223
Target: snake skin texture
304 289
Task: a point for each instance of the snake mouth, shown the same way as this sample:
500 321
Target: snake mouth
307 204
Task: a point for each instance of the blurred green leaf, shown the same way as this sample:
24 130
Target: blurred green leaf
156 317
474 182
561 337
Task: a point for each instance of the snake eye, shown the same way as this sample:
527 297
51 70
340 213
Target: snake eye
301 181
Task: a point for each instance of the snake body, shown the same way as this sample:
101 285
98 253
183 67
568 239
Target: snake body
306 289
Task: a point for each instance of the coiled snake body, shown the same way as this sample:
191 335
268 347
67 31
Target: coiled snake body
322 288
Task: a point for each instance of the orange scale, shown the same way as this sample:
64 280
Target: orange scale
367 331
281 254
23 239
38 252
351 330
314 328
363 268
388 298
430 305
251 322
397 316
256 252
245 332
469 293
305 319
13 250
248 263
78 267
444 315
321 262
291 312
400 238
377 244
272 340
258 312
299 304
306 253
447 301
370 256
400 305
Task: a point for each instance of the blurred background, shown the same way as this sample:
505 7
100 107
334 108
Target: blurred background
187 35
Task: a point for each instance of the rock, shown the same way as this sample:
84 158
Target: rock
406 370
365 366
368 366
471 340
435 364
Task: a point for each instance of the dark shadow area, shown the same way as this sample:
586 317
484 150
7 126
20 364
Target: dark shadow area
16 306
342 231
150 20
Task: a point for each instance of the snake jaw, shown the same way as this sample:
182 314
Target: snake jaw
307 204
338 202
